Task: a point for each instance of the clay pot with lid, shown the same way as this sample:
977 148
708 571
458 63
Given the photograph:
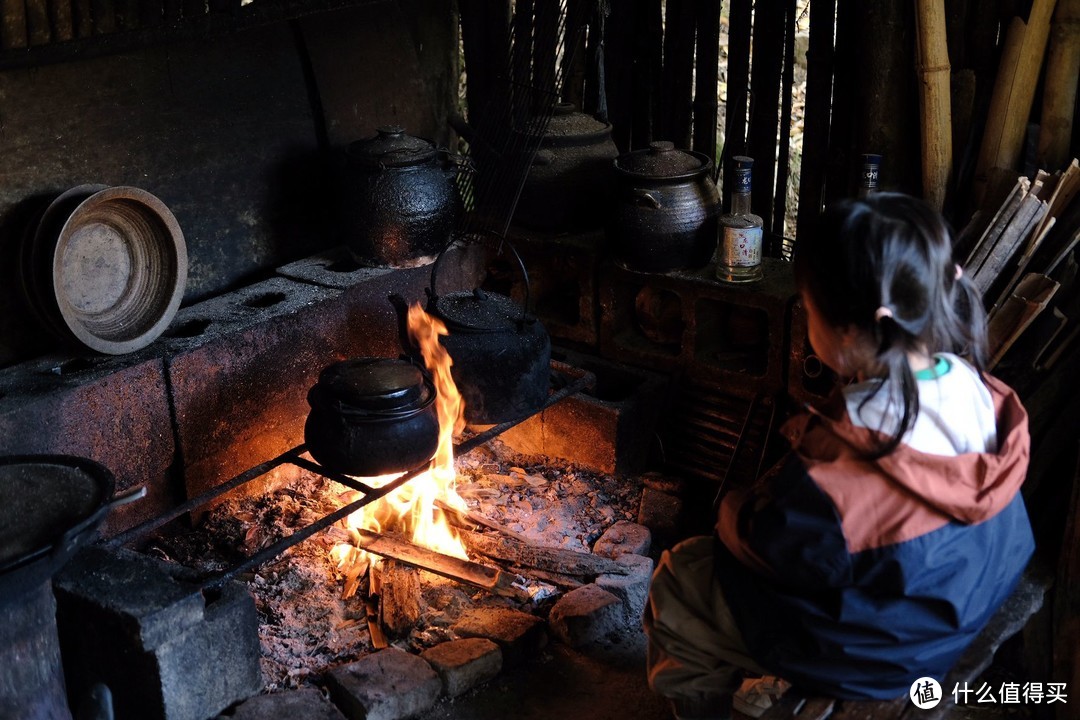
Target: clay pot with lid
569 182
372 416
398 199
666 210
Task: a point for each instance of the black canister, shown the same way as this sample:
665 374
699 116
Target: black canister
398 199
372 416
665 211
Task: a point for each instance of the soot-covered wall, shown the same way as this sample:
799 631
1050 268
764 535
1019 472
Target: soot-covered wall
238 134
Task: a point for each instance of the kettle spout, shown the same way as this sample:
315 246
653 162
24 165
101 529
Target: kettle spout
401 307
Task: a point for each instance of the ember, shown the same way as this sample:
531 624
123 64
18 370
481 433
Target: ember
307 627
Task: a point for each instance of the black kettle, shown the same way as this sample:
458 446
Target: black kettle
398 199
501 354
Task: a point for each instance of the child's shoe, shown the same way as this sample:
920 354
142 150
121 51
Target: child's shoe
756 695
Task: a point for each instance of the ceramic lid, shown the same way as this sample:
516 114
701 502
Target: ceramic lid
373 385
478 311
661 160
567 122
391 147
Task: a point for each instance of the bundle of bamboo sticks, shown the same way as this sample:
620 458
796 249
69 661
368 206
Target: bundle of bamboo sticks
1019 256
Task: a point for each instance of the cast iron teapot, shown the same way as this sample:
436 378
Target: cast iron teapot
501 354
398 199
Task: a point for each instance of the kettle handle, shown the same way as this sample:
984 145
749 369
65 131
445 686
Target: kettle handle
502 241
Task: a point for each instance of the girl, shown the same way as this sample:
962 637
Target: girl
875 552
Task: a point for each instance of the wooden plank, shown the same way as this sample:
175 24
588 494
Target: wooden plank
82 18
816 118
566 562
706 100
783 152
13 30
1011 241
997 225
766 71
1014 92
677 86
1059 86
398 588
37 22
647 60
738 84
60 19
574 60
104 16
1008 323
481 576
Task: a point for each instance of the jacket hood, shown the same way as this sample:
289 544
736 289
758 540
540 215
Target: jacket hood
969 488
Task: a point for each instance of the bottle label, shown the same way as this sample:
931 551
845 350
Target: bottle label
870 169
740 247
742 180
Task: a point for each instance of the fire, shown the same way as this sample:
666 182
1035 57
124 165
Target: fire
413 509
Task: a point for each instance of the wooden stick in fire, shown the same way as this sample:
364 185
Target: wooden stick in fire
478 519
470 573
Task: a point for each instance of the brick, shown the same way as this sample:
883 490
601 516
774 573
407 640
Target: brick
623 537
518 634
663 514
306 704
632 589
464 664
585 615
731 336
166 650
390 684
608 428
240 366
114 410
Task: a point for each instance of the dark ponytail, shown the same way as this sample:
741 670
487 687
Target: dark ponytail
884 266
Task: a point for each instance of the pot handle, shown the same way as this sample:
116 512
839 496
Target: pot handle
72 537
433 292
646 199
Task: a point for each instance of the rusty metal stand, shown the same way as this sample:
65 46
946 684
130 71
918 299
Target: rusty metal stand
370 494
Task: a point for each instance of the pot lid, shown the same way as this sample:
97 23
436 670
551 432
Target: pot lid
44 497
661 160
478 311
373 384
566 122
391 147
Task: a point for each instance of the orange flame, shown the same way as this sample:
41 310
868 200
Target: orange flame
413 509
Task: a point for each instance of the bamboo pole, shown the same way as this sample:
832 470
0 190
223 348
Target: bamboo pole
1059 86
932 60
1014 93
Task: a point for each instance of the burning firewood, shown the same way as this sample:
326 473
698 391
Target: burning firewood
555 560
470 573
398 588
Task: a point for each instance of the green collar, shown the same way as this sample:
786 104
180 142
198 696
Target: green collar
940 367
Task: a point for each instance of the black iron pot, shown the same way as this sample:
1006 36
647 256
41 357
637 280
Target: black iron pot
569 182
501 354
665 210
372 416
50 506
398 199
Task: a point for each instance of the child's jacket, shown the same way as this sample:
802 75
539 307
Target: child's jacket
854 578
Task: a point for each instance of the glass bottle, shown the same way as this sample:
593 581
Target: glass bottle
868 177
738 259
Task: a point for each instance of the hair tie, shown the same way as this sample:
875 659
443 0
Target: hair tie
882 312
959 272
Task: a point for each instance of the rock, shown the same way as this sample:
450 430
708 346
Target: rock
623 537
464 664
585 615
390 684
